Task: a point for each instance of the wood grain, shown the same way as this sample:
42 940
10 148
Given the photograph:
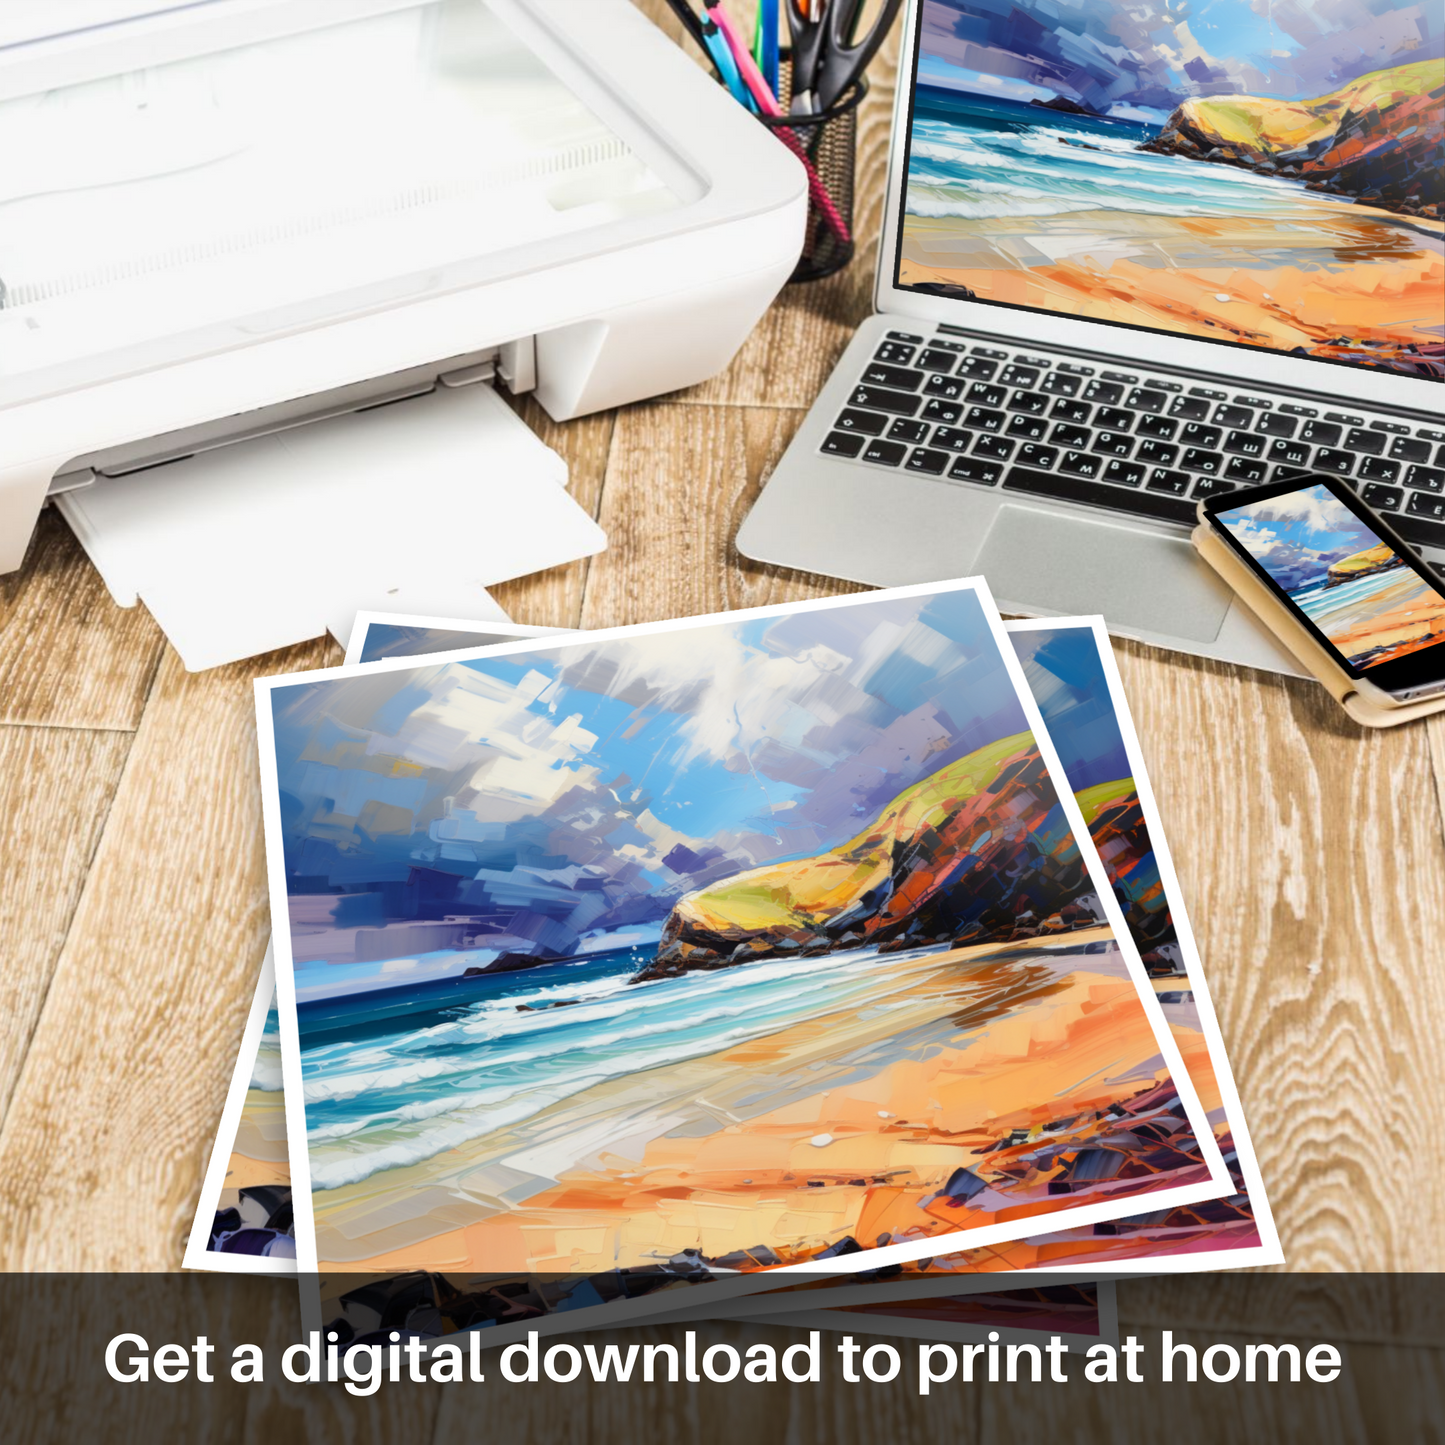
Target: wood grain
113 1115
679 482
56 786
1313 867
69 657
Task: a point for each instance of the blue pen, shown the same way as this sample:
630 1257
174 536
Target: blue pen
768 60
727 67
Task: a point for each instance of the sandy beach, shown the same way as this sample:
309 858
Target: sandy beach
1336 270
1003 1060
1402 617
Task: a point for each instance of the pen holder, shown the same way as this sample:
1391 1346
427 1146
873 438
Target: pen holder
827 144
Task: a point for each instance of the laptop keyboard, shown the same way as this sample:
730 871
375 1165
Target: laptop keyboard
1141 443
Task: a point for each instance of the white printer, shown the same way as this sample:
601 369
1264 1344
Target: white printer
232 231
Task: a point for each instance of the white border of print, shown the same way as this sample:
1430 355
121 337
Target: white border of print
500 626
1076 1217
197 1255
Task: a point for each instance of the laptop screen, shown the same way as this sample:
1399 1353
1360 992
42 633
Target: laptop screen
1262 174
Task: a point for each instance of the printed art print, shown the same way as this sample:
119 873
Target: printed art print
800 882
1265 173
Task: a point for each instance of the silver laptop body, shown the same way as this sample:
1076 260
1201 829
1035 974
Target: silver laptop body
893 480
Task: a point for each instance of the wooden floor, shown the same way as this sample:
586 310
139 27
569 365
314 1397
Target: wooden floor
133 907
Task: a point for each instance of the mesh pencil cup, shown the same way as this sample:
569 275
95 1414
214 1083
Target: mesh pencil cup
826 143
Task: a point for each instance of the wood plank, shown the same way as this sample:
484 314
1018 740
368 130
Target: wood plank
56 786
709 1413
1386 1396
69 657
1315 881
679 482
554 598
113 1115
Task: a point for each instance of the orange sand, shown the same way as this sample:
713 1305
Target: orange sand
1353 271
1068 1044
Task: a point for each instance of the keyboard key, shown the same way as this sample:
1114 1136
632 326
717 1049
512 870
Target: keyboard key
1124 474
970 469
1430 434
995 447
1254 401
1035 403
1019 375
1128 378
959 347
1210 487
1293 410
1208 393
955 439
1113 418
1440 457
1076 411
1369 443
989 351
1156 454
904 430
1382 499
895 353
1107 392
944 411
1163 480
1321 433
1143 399
1332 459
1427 479
1275 425
1376 469
867 422
1196 459
1407 449
924 459
981 419
886 454
1344 418
1291 454
1189 408
1195 435
877 374
981 394
1418 531
1112 444
1043 457
1156 426
1245 444
878 398
948 387
1235 416
1030 427
935 360
1245 469
1076 370
1070 436
1081 464
1060 383
843 444
1099 494
1421 505
977 368
905 336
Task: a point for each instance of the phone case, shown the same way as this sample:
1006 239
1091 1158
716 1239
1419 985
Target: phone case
1275 616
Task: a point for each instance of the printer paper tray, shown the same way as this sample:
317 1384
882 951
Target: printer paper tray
417 506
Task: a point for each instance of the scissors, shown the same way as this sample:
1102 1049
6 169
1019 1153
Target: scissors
828 56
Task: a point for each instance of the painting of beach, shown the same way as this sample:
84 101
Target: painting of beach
1353 586
1268 175
715 948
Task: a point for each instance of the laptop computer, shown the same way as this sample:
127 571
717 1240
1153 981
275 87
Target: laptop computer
1122 269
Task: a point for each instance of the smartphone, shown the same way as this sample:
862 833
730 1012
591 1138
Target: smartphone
1344 573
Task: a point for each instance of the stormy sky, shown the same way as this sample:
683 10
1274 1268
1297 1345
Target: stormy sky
567 796
1149 56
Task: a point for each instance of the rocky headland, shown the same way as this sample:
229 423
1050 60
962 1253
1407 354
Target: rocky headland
1380 140
1363 564
978 852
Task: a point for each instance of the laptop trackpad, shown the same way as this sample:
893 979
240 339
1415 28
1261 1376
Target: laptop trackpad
1070 564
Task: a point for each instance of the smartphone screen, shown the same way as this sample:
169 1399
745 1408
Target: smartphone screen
1358 589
